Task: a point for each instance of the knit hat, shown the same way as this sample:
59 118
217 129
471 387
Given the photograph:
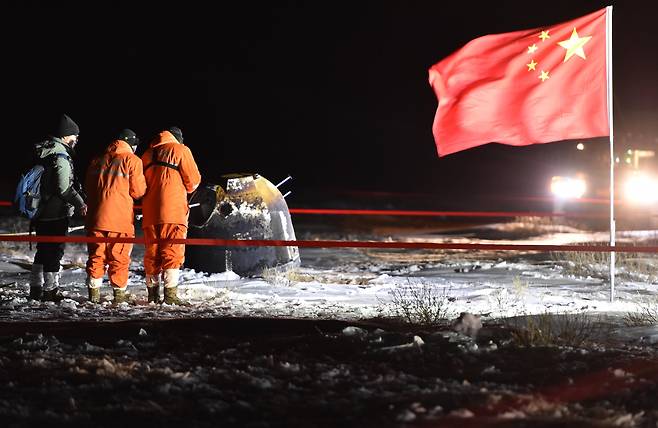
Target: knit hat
66 127
177 133
129 136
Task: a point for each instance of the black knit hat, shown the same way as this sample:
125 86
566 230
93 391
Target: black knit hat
129 136
177 133
66 127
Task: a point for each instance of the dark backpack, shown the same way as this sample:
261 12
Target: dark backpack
28 199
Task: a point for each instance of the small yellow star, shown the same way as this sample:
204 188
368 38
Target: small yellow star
544 76
531 65
574 45
544 35
532 49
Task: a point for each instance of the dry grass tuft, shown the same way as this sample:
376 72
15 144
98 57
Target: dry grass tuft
647 313
629 266
557 329
514 298
423 304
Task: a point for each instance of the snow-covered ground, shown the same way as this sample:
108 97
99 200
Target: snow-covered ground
320 345
358 284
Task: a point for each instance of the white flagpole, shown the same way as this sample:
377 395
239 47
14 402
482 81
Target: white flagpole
608 58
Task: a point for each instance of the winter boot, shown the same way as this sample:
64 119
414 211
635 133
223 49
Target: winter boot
153 288
120 295
94 288
170 278
36 282
171 298
51 291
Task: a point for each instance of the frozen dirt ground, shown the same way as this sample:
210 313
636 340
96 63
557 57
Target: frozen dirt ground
324 347
269 373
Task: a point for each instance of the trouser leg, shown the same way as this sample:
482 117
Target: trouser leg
119 261
96 259
172 255
164 258
152 260
49 254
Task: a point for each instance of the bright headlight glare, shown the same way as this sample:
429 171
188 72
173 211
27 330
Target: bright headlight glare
641 189
568 187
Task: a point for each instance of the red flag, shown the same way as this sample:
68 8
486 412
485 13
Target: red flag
526 87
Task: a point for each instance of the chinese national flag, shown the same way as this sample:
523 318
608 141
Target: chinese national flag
526 87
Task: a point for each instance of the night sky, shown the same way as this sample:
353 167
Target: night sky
333 93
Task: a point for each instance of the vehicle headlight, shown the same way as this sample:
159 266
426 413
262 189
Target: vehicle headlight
641 188
568 187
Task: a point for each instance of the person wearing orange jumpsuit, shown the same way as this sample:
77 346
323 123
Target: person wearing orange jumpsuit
171 173
113 180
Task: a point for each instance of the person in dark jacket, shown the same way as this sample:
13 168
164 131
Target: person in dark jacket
60 199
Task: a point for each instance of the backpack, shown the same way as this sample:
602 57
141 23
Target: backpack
27 200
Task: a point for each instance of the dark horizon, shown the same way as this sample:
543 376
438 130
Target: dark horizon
334 94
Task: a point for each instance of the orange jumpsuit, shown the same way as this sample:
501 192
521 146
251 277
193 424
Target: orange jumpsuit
171 173
113 180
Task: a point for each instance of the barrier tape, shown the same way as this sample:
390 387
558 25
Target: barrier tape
391 195
596 201
416 213
335 244
444 213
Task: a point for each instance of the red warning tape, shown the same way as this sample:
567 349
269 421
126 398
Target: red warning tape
335 244
330 211
417 213
443 213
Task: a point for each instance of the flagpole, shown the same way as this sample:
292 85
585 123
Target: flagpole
608 55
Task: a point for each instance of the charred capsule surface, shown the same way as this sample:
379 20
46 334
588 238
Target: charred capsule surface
243 206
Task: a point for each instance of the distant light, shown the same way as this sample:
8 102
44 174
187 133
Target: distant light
629 151
568 187
580 146
641 189
617 159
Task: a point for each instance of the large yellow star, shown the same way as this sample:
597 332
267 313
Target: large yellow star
574 45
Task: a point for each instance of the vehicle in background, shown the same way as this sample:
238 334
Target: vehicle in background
581 184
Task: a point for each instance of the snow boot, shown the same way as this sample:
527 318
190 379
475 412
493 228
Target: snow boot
51 291
94 288
153 288
36 293
171 298
120 295
36 282
170 277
